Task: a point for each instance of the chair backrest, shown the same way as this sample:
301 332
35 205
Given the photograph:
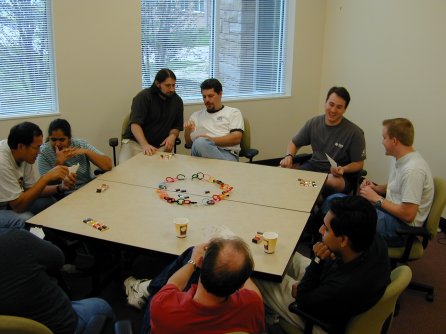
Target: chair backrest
379 317
245 144
18 325
125 124
438 204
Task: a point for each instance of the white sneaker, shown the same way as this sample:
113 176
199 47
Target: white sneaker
136 291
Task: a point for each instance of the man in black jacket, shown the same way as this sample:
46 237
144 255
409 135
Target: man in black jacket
348 274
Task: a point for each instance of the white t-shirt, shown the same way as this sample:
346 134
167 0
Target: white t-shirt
218 124
14 179
410 181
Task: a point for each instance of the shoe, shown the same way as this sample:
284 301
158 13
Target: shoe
136 291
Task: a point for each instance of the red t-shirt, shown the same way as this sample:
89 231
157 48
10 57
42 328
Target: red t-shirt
173 311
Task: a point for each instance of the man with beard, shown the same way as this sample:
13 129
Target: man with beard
214 132
156 118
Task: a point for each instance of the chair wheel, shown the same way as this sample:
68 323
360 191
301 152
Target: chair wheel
430 297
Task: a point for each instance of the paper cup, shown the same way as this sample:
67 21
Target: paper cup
181 227
269 242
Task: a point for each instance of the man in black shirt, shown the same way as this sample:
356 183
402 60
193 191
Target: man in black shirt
156 118
28 290
348 275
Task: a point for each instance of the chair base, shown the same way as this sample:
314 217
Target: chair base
424 288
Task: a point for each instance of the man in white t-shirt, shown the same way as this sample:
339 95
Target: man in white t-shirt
216 131
407 197
22 192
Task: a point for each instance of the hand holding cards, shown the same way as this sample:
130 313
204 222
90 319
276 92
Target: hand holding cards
73 169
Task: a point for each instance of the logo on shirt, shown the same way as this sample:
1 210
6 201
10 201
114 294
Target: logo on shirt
21 183
339 145
219 118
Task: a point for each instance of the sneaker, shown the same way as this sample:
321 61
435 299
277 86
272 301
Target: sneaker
136 291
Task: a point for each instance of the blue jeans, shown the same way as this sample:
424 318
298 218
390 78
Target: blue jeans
159 281
87 309
12 219
205 148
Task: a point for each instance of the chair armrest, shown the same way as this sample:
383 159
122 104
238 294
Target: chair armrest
249 153
123 327
413 230
301 158
113 142
310 320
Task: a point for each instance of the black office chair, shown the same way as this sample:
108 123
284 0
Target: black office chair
418 237
113 142
245 144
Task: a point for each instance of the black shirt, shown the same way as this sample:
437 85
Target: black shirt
155 115
26 288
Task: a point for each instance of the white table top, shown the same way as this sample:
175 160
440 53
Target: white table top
262 185
136 216
264 199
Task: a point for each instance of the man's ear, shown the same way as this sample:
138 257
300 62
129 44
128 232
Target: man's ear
345 242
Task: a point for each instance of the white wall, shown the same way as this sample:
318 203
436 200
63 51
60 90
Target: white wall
391 56
99 71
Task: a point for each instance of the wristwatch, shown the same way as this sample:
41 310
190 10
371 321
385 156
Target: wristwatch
379 203
192 262
59 189
289 155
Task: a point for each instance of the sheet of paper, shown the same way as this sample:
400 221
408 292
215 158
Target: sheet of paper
38 232
198 132
331 161
73 169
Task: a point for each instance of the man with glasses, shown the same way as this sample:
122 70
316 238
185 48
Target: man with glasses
156 118
22 193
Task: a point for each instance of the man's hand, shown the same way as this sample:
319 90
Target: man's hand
55 174
169 143
64 154
287 162
294 289
322 251
198 254
189 126
337 171
148 149
368 193
69 182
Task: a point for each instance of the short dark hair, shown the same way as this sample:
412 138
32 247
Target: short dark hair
60 124
341 92
23 133
355 218
212 83
162 75
401 129
217 276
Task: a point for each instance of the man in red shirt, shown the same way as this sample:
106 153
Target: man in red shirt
223 300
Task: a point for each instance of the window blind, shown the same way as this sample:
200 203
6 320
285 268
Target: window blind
27 80
241 43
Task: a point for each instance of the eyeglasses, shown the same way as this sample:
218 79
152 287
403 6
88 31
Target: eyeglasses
54 139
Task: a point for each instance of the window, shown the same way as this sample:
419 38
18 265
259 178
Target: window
27 81
241 43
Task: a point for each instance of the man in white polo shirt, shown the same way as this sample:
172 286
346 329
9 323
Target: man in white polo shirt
216 131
